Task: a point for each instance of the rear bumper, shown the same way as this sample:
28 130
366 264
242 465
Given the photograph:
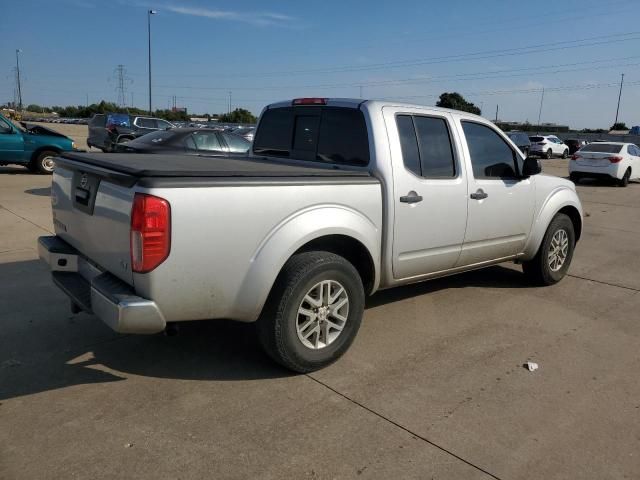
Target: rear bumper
99 292
612 170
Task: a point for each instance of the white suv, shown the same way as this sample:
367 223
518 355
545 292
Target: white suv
547 146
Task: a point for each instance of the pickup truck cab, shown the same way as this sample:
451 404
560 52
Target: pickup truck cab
340 198
34 146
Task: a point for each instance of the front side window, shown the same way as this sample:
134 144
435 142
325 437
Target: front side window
491 157
163 124
4 126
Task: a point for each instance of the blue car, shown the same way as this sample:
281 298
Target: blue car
34 146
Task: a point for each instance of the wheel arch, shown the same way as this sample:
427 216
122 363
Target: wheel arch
336 229
44 148
562 200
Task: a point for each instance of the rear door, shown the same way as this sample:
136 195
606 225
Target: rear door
500 204
430 191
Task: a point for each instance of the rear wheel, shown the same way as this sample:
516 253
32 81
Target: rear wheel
565 154
43 162
313 312
549 154
554 256
624 181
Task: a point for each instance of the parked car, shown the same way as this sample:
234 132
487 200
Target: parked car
521 140
611 160
34 146
196 141
339 199
548 146
575 144
106 130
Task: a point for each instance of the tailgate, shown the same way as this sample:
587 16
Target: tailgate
593 159
93 215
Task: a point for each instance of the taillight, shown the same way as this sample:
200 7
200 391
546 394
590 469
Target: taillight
615 159
310 101
575 156
540 143
150 236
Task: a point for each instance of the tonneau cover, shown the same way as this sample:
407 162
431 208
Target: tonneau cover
151 165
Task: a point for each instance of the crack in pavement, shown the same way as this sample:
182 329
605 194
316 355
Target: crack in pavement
27 220
405 429
603 282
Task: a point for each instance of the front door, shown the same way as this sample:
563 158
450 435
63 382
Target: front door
11 142
429 191
501 204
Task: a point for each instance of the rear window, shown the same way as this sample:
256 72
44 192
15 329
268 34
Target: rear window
602 148
119 120
537 139
161 136
321 134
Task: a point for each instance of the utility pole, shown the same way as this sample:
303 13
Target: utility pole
87 100
540 111
149 13
121 78
131 99
18 79
360 91
497 109
229 103
619 96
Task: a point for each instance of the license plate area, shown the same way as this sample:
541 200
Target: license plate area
84 188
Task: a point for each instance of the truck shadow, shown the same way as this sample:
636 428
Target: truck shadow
39 192
47 348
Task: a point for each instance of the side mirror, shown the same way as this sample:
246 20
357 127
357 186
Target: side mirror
531 166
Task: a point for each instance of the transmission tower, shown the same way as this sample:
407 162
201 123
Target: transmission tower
122 81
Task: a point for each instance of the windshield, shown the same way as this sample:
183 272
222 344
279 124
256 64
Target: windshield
602 148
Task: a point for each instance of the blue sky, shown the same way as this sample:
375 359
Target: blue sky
493 52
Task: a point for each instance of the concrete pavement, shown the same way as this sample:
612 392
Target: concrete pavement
433 386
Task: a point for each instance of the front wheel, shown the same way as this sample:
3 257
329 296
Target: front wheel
44 162
313 312
554 256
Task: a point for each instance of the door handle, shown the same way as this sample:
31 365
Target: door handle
411 197
479 195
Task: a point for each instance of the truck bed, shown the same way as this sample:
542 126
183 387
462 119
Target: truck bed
149 169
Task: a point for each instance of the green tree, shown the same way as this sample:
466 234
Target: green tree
457 102
34 108
619 126
239 115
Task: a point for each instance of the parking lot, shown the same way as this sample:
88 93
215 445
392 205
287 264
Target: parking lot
433 387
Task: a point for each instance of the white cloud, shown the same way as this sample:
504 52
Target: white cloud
254 18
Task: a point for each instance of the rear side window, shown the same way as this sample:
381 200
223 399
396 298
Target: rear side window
146 123
491 157
322 134
426 146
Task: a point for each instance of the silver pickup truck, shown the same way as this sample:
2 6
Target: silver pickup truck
339 198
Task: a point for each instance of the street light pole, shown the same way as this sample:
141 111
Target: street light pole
619 96
18 78
149 13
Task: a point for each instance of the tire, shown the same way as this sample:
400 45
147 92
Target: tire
574 177
43 162
281 326
624 181
539 270
549 154
565 154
